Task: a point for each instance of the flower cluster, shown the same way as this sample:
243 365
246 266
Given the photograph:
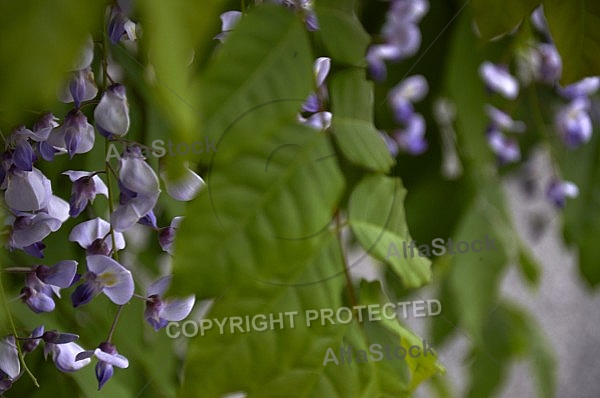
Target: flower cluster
539 63
401 35
34 212
402 39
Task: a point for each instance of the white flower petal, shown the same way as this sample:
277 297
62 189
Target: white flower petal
27 190
186 188
9 358
137 175
177 309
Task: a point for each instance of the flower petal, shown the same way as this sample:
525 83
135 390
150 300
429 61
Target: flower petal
159 287
177 309
186 188
9 357
117 360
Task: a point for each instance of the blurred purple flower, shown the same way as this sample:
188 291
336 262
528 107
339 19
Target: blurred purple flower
498 80
228 20
558 192
573 123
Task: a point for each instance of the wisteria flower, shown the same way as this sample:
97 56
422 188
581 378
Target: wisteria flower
139 190
10 366
64 356
41 282
120 26
86 185
574 124
315 100
49 337
75 135
304 7
159 312
27 190
410 90
412 138
228 20
79 88
107 276
95 237
376 56
498 80
501 120
166 235
108 357
581 89
112 113
30 229
186 187
506 149
318 121
558 192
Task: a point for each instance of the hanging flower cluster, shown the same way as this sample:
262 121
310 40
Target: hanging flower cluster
540 63
35 212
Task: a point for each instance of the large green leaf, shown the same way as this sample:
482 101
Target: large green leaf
495 17
341 33
376 216
265 62
352 107
40 42
574 28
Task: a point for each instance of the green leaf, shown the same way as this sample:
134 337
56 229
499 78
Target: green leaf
172 36
341 33
266 62
574 28
352 108
376 216
270 195
41 42
495 18
582 220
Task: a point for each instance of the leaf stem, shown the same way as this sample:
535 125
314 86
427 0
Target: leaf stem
349 285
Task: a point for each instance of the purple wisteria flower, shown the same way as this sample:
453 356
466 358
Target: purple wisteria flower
314 106
107 356
411 139
581 89
79 88
502 121
119 25
86 185
27 190
28 230
74 136
95 237
166 235
304 7
139 190
10 366
186 187
112 113
558 192
402 96
64 356
318 121
160 312
107 276
573 122
391 144
401 34
315 101
41 132
506 149
41 282
49 337
228 20
497 79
